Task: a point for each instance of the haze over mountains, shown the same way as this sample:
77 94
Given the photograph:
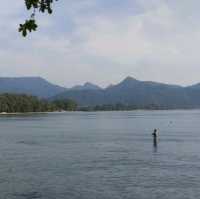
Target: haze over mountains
130 91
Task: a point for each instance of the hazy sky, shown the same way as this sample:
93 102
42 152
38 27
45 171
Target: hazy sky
103 41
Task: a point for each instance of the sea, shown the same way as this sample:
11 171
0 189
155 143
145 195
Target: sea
100 155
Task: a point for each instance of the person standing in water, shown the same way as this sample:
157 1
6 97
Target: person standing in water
155 135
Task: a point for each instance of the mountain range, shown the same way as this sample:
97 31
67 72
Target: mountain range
130 91
137 93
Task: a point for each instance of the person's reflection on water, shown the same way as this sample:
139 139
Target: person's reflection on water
155 141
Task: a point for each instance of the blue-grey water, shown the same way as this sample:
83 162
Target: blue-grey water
102 155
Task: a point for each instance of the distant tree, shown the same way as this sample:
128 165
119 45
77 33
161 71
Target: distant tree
35 6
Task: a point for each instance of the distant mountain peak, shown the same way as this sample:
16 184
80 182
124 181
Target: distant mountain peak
89 84
86 86
129 78
128 81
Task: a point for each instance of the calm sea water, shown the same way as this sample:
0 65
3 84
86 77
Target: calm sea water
104 155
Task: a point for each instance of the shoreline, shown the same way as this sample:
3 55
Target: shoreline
60 112
27 113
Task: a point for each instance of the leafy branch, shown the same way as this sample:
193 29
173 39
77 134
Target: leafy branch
44 6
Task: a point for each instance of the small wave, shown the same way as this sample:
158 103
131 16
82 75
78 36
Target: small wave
30 195
28 142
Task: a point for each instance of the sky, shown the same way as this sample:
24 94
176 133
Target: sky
103 41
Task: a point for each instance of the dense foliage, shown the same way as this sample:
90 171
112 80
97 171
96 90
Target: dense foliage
35 5
68 105
13 103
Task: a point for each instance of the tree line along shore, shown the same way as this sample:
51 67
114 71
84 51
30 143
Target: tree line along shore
21 103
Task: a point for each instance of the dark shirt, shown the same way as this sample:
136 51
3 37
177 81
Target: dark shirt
154 134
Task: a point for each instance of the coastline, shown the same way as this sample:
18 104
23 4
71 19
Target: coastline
30 113
60 112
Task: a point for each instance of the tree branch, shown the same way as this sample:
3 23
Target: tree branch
36 6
